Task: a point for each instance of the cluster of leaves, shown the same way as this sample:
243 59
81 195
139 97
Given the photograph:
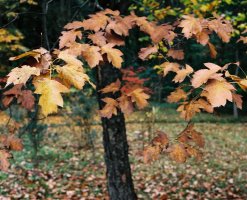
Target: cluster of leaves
94 41
187 144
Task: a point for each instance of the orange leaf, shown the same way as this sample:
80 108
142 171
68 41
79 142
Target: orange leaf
182 73
113 87
175 54
110 108
139 97
4 162
125 104
213 52
177 95
113 55
145 52
178 153
218 92
68 37
169 67
98 38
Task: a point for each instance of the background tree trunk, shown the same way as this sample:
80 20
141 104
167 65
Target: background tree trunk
120 184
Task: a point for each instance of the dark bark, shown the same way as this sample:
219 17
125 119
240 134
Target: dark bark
120 184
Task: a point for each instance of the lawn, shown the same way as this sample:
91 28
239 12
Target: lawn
70 165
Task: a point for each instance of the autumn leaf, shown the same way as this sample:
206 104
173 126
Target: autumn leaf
169 67
177 95
222 27
69 59
92 55
33 54
125 104
241 82
190 25
21 75
178 153
113 87
161 139
205 105
120 25
50 91
26 99
193 152
182 73
110 108
151 153
95 22
237 99
139 97
202 76
212 49
146 52
73 75
218 92
74 25
176 54
98 38
15 143
113 55
4 162
202 37
69 37
189 109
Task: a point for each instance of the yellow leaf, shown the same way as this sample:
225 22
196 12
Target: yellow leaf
69 59
50 91
110 108
178 153
139 97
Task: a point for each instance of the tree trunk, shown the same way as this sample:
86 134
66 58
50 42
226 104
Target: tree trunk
120 184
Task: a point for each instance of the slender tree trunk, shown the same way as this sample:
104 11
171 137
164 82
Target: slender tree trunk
120 184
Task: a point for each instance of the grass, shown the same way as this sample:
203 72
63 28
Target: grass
67 171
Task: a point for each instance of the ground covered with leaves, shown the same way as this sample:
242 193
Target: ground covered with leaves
68 167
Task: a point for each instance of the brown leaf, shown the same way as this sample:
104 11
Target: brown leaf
189 109
113 87
151 153
15 143
4 162
26 99
182 73
237 99
68 37
110 108
178 153
113 55
92 55
125 104
202 76
177 95
145 52
169 67
218 92
161 139
212 49
98 38
176 54
139 97
95 22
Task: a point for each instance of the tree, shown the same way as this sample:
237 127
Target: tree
95 42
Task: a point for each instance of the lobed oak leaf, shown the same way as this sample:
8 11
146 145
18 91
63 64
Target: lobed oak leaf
92 55
98 38
95 22
169 67
113 55
151 153
4 162
175 54
177 95
237 99
218 92
202 76
20 75
178 153
68 37
120 26
73 75
26 99
145 52
110 108
69 59
125 104
113 87
190 25
50 91
182 73
189 109
139 97
222 27
212 50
